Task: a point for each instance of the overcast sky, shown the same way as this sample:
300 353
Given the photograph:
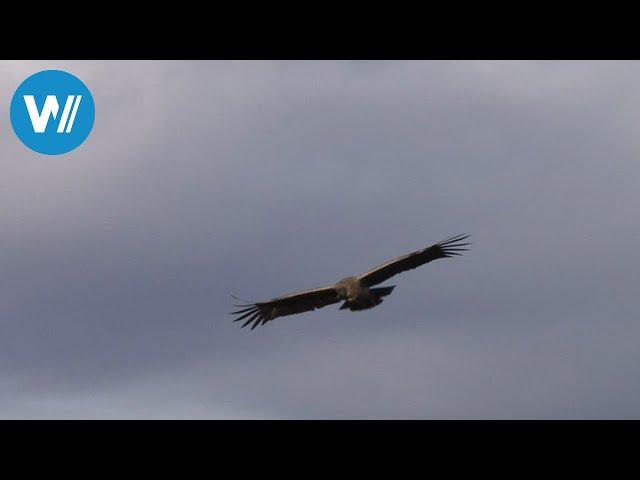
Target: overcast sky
205 179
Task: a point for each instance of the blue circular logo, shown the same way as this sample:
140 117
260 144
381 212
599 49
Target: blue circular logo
52 112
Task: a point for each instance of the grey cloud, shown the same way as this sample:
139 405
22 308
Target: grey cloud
203 179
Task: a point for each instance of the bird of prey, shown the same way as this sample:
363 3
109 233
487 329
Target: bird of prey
356 292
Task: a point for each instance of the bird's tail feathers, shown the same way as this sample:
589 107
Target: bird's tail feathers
382 291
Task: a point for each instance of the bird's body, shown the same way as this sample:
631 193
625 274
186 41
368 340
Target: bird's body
357 295
356 292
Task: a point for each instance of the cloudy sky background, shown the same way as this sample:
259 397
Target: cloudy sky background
205 179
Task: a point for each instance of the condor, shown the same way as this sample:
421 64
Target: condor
357 293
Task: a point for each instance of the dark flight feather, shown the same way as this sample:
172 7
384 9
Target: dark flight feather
260 313
444 249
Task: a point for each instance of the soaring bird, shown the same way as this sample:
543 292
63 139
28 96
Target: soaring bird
356 292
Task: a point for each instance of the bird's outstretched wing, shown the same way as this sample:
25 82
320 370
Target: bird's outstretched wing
260 313
447 248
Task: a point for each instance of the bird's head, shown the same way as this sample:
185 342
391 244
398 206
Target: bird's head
341 291
343 287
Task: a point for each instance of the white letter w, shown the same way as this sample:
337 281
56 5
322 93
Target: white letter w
51 107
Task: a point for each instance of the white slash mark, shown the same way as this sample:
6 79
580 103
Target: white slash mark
73 113
65 113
